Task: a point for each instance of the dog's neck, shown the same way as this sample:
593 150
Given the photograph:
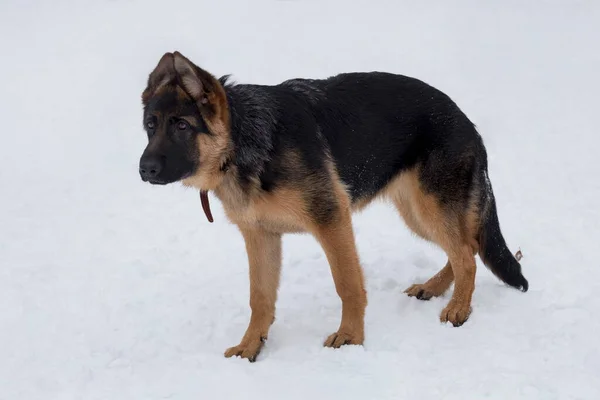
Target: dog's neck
233 196
252 125
253 122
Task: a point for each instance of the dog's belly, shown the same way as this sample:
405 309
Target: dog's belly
280 227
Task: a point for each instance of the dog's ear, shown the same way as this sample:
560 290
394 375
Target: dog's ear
163 74
205 89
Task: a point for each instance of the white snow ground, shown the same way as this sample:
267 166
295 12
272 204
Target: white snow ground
113 289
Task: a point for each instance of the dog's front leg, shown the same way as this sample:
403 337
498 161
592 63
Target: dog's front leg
337 239
264 257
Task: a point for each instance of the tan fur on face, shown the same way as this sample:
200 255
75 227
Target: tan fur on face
216 148
214 151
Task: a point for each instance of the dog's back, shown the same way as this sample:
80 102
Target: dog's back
377 125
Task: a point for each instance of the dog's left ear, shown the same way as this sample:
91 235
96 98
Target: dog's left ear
204 88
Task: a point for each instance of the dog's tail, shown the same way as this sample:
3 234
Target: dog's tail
493 250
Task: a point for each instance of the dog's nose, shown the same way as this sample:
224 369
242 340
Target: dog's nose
150 166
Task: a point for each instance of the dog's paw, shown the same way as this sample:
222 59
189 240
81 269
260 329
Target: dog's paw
339 339
456 313
420 292
247 349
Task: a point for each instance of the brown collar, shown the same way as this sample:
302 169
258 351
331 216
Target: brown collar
206 205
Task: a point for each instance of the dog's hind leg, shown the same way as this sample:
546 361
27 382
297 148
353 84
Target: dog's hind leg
264 256
435 286
440 282
451 228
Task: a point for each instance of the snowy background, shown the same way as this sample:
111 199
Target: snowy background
115 289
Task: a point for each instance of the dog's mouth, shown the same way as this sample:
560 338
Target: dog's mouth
159 181
186 175
156 181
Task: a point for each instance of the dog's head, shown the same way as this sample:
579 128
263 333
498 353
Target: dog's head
186 119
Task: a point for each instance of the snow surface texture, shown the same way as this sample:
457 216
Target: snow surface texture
115 289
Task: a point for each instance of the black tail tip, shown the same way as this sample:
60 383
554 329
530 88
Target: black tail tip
525 286
520 283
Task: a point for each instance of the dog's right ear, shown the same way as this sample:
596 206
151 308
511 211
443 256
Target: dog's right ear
163 74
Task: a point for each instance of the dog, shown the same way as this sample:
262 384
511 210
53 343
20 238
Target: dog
303 155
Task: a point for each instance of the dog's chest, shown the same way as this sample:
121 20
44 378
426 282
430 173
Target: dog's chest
277 212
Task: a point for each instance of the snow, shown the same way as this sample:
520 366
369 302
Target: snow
115 289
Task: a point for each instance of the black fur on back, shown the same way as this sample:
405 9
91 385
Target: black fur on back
373 125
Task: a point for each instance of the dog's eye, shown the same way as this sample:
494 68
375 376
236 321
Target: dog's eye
182 125
150 125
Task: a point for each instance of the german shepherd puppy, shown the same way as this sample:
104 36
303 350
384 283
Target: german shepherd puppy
302 155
